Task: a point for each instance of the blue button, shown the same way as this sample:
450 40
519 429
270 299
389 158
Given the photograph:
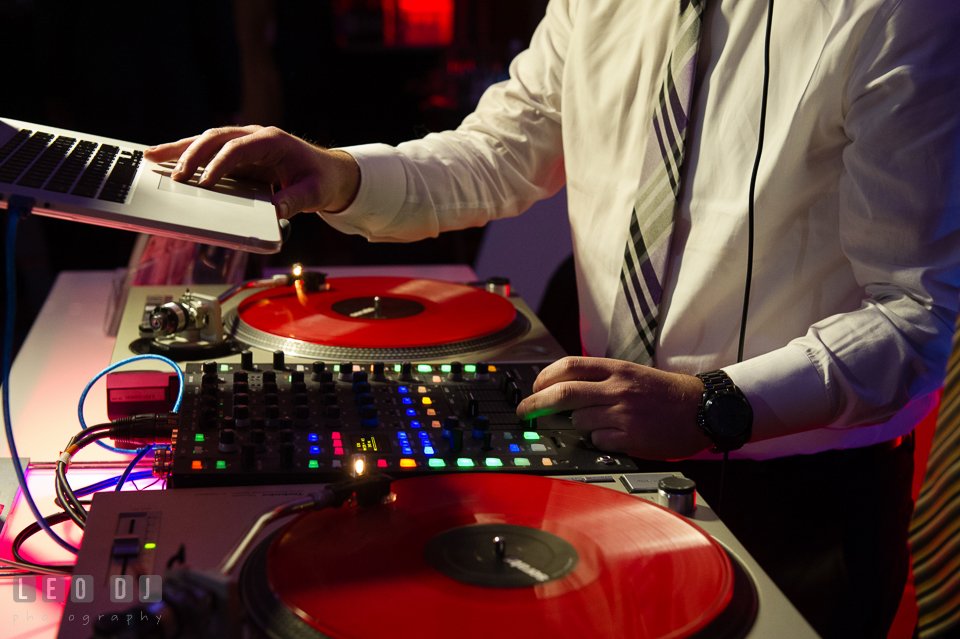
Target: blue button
428 450
416 424
313 437
314 450
407 450
423 434
411 412
403 389
402 435
514 448
407 400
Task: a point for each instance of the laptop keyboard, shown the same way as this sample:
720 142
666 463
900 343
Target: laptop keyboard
62 164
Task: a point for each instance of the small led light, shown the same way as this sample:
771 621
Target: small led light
436 379
421 389
415 424
397 368
359 465
337 451
547 461
402 389
224 368
435 424
431 412
406 450
149 545
297 270
445 368
336 368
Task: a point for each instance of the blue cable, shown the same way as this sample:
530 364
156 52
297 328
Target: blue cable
17 208
109 483
133 463
135 358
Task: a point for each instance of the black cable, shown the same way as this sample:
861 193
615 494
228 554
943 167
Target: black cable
28 532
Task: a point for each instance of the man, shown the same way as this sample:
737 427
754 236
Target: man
855 256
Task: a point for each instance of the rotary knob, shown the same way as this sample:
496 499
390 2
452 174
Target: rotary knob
368 416
296 377
286 435
331 416
228 441
481 424
456 372
241 376
241 398
482 373
450 422
406 372
209 368
298 387
379 370
246 360
317 367
346 372
240 387
278 363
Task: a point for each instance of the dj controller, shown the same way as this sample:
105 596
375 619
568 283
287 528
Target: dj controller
243 424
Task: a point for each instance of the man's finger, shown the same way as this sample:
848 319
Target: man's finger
205 147
611 440
169 151
564 396
574 368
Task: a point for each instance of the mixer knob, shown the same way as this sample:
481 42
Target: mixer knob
317 367
379 370
241 398
257 422
286 435
359 377
296 377
228 441
487 441
326 377
269 377
208 418
209 388
246 360
258 437
286 422
209 368
330 399
248 457
240 387
368 416
456 440
241 413
456 372
271 388
278 363
364 399
227 422
240 376
211 401
481 424
483 372
346 372
449 423
328 387
302 415
287 454
406 372
363 388
272 411
298 387
271 399
300 399
331 416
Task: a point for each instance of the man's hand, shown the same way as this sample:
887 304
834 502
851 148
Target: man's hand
622 407
311 178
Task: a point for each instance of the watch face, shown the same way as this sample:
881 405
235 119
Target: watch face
728 415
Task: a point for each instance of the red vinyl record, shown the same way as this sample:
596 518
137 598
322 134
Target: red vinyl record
379 312
598 563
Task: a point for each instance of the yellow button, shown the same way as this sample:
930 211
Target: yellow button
408 463
427 401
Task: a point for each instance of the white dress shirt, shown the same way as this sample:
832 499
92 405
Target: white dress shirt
857 246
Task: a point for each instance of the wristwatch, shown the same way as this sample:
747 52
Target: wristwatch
724 413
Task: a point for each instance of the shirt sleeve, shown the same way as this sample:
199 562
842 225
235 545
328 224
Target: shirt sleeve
899 228
503 157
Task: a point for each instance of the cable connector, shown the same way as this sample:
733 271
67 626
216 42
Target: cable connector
131 433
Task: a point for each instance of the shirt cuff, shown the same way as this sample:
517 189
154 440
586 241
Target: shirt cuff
383 189
785 391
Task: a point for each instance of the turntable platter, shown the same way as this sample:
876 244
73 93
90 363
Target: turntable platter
594 563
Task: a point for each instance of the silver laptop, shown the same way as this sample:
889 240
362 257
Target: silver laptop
97 180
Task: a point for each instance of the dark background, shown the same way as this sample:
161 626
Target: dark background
157 72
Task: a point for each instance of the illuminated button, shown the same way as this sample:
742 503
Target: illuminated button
313 463
406 450
508 435
402 435
530 435
538 448
403 389
464 463
428 450
337 451
493 462
411 412
424 434
492 368
381 463
198 450
407 400
445 368
470 368
221 464
397 367
436 463
197 465
424 368
406 462
335 434
514 448
336 368
431 412
313 437
427 401
314 450
224 368
521 461
436 379
435 424
547 461
149 545
416 424
198 438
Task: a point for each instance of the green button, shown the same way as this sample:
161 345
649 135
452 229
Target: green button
521 461
445 368
397 368
464 463
314 464
198 438
336 368
493 461
224 367
221 464
470 368
424 368
508 435
530 435
149 545
436 463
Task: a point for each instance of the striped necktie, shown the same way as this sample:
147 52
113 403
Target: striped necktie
633 331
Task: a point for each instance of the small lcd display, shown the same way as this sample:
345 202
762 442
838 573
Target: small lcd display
370 444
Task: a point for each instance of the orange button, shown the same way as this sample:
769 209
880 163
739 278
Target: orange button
431 412
197 464
435 424
547 461
408 463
